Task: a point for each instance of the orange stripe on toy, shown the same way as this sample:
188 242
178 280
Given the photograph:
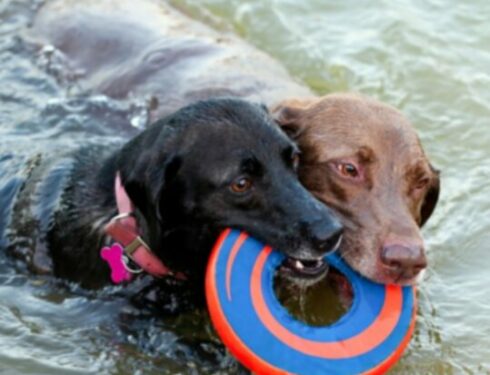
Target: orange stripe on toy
383 367
228 335
365 341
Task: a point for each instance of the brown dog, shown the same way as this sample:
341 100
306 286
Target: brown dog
364 159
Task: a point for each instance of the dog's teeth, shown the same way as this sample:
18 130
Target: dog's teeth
299 265
319 262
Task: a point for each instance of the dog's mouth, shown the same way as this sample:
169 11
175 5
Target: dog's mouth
305 268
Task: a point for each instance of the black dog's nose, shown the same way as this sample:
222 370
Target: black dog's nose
326 236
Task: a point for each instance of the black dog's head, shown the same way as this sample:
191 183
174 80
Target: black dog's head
223 163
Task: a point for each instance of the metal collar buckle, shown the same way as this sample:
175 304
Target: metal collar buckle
131 248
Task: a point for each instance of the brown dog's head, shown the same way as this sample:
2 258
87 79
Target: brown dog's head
363 159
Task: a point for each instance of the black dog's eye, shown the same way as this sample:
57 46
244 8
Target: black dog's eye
241 185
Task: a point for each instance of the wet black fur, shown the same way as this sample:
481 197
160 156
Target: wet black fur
178 173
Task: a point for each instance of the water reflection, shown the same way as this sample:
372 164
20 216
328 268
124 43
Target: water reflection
428 58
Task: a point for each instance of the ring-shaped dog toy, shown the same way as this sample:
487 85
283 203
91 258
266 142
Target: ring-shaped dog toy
261 334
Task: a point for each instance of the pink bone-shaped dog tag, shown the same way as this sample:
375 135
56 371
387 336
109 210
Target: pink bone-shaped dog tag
114 257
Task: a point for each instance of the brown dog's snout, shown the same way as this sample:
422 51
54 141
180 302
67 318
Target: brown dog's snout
404 260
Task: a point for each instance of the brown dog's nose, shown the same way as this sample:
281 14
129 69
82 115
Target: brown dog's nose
407 261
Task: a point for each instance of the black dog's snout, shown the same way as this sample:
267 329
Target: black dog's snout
326 235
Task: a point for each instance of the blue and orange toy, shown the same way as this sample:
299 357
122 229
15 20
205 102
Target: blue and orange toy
261 334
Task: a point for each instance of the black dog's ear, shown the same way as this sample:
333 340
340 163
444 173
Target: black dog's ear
146 182
144 164
163 178
431 198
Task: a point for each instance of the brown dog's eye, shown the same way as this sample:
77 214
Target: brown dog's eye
241 185
348 170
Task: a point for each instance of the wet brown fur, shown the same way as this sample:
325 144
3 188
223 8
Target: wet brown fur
385 205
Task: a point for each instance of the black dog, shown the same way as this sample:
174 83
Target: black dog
215 164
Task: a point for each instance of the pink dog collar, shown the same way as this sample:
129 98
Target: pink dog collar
123 228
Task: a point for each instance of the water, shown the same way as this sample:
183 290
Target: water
428 58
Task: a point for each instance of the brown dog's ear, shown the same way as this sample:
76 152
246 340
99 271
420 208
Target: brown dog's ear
431 198
288 113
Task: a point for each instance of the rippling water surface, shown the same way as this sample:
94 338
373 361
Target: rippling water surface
430 58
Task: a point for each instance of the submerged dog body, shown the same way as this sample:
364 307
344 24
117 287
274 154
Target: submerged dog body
216 164
149 49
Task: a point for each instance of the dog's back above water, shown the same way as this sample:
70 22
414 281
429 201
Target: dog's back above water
215 164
